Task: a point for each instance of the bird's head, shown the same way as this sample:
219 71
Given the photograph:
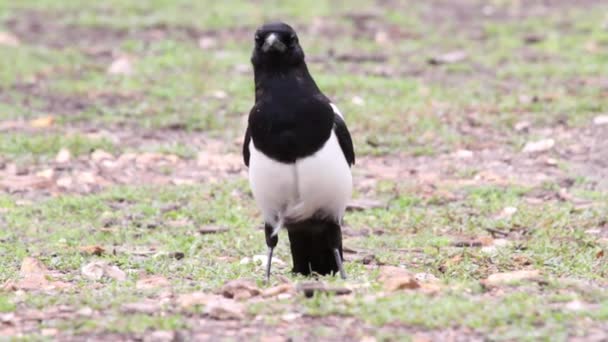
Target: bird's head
276 45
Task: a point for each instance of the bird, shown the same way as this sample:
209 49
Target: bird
299 154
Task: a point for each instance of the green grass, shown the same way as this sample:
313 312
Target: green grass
6 305
47 145
177 79
556 246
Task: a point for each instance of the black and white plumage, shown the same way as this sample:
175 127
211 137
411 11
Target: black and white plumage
299 153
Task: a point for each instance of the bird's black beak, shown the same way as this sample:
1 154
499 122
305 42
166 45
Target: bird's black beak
273 42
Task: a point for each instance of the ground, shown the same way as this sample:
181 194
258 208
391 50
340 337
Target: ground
481 183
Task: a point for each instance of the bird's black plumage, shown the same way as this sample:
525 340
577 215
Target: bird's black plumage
346 143
290 121
283 82
246 141
287 135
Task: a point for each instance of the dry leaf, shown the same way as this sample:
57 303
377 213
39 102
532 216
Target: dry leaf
592 46
533 38
539 146
65 182
476 242
207 42
290 316
225 309
506 213
466 243
576 305
86 177
430 288
146 307
152 282
506 278
364 204
46 173
494 245
85 311
396 278
450 262
187 300
357 101
564 195
600 120
8 285
8 318
382 37
400 283
388 271
449 58
421 338
219 94
8 39
42 122
522 126
100 155
426 278
212 230
486 240
32 266
177 255
163 336
361 58
63 156
521 260
240 289
35 276
464 154
278 290
551 162
121 66
92 250
10 125
100 269
115 273
222 162
93 271
24 183
49 332
368 339
179 223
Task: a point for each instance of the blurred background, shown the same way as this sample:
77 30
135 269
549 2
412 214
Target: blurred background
481 132
413 78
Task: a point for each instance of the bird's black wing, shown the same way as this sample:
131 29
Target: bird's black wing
246 147
346 143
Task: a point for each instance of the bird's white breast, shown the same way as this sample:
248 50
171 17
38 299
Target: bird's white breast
320 184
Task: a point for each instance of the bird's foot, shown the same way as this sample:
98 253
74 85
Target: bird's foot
339 263
268 264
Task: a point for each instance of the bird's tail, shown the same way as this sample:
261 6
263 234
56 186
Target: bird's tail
312 246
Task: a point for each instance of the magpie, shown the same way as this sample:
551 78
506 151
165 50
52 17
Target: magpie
299 153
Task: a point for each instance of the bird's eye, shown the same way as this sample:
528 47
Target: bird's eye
258 38
293 38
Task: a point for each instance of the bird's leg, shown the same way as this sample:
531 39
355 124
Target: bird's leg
339 263
271 242
268 263
336 247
